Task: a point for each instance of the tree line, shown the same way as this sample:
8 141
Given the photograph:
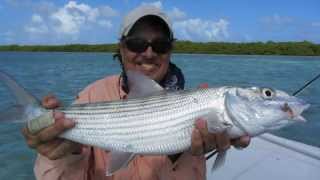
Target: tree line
304 48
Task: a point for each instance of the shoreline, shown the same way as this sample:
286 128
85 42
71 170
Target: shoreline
303 48
174 53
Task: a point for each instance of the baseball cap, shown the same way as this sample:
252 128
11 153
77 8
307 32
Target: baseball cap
139 12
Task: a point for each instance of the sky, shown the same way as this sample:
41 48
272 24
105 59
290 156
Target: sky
31 22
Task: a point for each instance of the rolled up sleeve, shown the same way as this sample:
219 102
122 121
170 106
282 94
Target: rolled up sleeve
70 167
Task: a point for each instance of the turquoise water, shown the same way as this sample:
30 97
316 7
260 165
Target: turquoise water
65 74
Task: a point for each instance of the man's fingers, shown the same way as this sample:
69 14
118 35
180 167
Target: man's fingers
209 139
66 147
196 143
223 141
50 102
241 142
211 142
54 130
31 140
58 115
46 148
49 133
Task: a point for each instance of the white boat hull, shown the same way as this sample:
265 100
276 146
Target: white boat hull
269 158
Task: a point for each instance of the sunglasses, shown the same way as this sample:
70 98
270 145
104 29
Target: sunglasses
139 45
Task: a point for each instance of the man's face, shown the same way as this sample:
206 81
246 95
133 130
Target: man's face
148 62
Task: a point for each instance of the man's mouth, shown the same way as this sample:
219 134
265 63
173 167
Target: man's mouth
147 67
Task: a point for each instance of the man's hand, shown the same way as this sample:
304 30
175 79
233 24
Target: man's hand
46 141
203 142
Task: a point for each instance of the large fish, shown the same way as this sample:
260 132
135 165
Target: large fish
153 121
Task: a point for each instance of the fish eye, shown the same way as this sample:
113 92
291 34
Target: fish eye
267 93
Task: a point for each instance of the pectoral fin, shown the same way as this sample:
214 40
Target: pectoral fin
118 161
220 160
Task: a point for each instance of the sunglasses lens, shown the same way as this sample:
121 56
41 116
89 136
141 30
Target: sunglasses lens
136 45
161 45
139 45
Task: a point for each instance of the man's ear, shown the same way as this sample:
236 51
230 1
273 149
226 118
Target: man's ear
121 47
173 45
120 44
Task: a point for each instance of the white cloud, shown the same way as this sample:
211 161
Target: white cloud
177 14
36 18
276 19
107 11
37 25
72 16
105 23
315 24
194 29
157 4
8 37
202 30
69 19
37 29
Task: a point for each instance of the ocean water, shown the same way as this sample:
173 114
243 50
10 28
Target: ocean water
65 74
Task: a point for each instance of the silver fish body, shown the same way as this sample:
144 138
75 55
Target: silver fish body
163 123
160 124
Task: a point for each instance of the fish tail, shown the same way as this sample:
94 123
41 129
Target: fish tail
24 101
27 108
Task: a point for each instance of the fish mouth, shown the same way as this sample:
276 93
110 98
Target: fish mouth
294 110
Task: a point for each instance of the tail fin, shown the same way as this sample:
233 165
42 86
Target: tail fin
13 113
24 100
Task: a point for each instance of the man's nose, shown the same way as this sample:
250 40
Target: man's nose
149 53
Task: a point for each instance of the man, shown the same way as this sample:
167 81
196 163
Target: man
146 41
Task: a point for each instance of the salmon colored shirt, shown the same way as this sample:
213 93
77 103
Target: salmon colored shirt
92 162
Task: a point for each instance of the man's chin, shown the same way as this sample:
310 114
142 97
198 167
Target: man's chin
153 75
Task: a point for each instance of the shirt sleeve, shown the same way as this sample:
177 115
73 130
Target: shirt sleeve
68 168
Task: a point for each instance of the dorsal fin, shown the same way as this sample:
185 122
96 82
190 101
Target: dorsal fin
141 85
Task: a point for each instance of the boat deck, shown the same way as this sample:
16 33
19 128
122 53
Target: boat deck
269 157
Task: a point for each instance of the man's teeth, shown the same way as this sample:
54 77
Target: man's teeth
147 66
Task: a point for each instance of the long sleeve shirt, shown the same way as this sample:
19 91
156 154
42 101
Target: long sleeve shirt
93 161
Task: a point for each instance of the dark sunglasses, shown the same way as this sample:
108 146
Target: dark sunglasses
139 45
